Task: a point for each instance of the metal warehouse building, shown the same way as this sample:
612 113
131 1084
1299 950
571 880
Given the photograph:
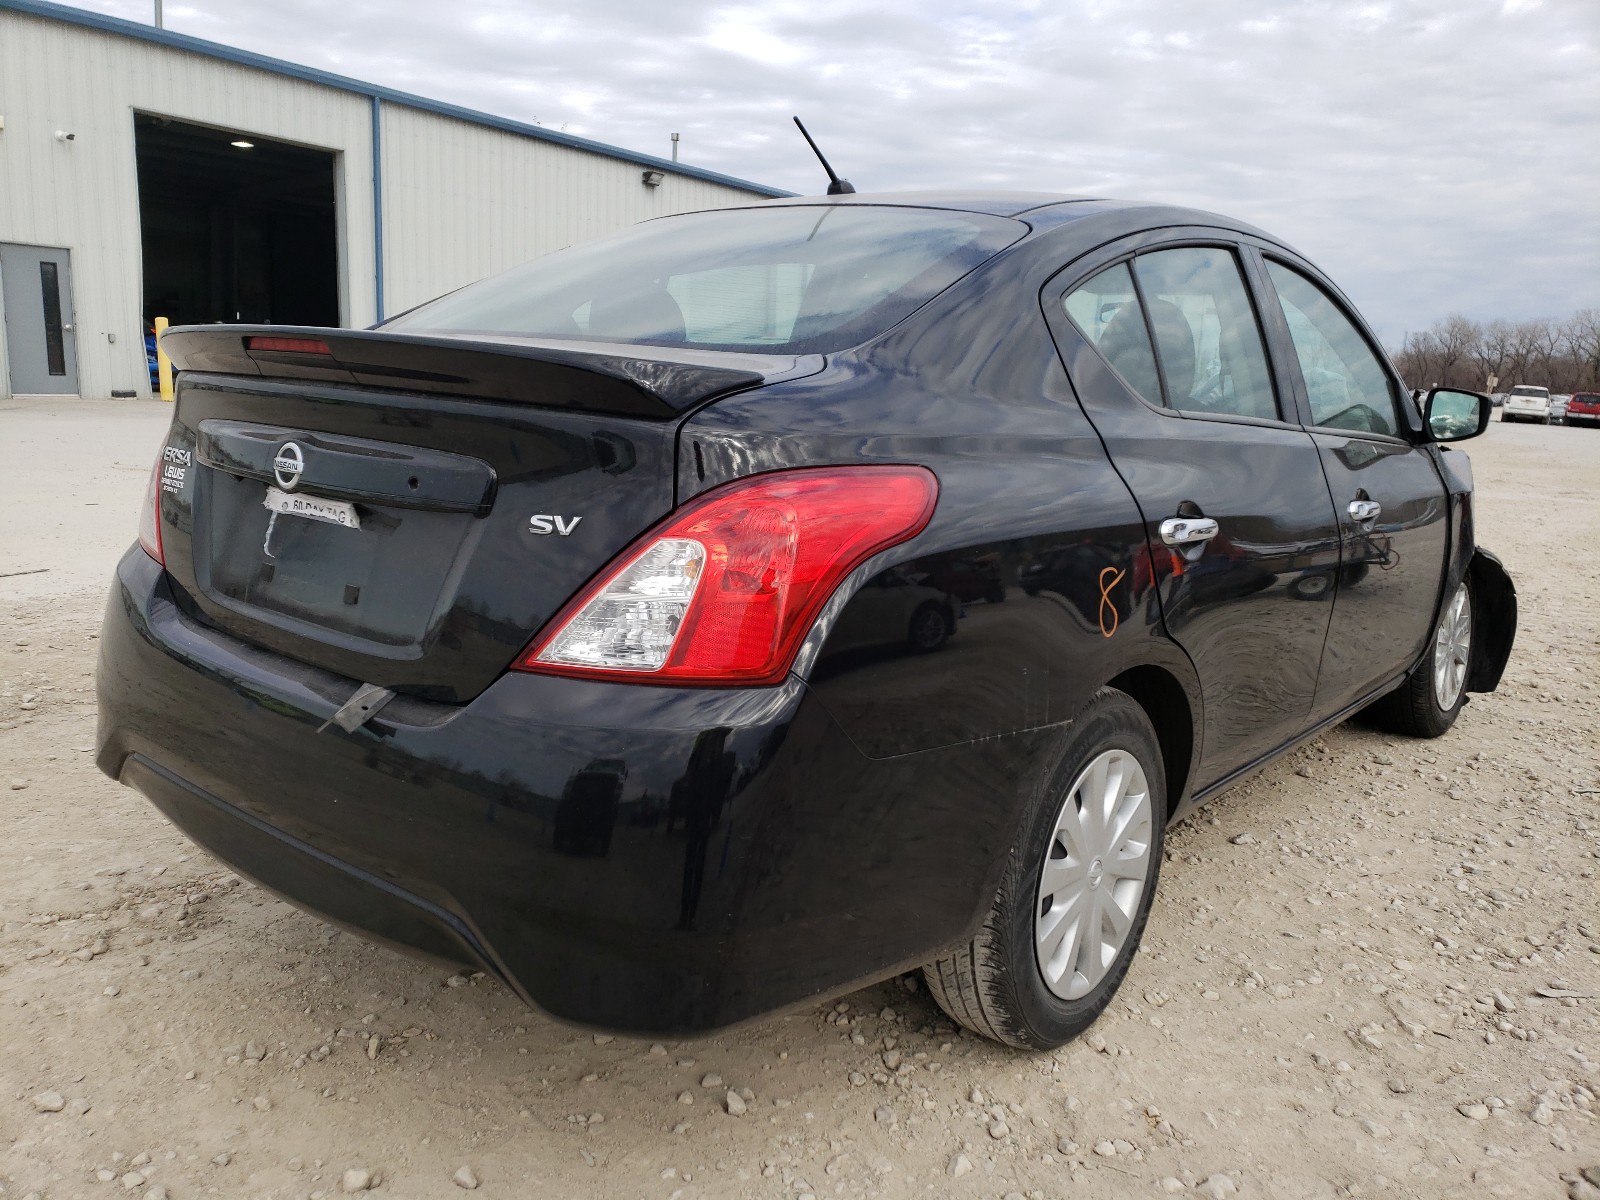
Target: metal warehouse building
144 173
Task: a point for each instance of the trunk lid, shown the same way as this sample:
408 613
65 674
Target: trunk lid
434 500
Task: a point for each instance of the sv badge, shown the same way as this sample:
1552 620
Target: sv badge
544 523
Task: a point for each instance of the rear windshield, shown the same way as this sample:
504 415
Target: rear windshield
794 280
1540 392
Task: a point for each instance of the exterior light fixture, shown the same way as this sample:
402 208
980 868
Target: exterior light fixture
653 178
243 145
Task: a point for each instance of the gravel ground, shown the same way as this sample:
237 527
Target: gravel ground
1371 971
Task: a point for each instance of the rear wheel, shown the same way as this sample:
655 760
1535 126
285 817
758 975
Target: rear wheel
1076 893
1428 702
929 628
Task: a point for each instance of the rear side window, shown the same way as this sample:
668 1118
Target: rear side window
1345 382
1212 356
1106 309
794 279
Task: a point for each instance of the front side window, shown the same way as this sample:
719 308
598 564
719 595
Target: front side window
1106 310
1345 382
1212 356
786 280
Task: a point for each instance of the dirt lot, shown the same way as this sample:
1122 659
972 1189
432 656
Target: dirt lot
1371 971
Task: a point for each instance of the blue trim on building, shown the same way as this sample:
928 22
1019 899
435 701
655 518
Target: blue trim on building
377 203
276 66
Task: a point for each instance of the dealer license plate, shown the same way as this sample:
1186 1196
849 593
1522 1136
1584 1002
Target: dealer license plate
315 508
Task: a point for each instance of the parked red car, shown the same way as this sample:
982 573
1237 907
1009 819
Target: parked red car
1584 408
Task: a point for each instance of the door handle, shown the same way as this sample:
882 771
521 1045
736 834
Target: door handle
1364 512
1188 531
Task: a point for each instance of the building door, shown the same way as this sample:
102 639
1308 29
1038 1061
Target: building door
37 297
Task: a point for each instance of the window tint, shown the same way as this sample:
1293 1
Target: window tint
1206 332
1106 310
789 280
1345 382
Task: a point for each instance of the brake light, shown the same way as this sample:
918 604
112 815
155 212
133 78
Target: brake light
150 517
287 345
725 590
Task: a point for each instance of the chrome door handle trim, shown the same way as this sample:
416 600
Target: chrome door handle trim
1362 511
1187 531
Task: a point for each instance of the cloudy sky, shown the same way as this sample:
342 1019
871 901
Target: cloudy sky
1432 155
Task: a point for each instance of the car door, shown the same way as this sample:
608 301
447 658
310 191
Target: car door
1165 349
1387 489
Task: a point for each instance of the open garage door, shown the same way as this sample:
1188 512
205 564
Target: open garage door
235 227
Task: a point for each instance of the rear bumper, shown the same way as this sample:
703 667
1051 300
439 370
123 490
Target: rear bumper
637 858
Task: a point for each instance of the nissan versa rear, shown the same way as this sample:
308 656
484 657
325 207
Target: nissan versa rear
763 602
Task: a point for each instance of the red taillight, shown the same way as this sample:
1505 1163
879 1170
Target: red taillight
150 517
287 345
725 590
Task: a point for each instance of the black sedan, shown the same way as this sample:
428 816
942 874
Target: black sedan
594 624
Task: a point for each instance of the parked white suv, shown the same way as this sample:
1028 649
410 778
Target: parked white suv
1525 402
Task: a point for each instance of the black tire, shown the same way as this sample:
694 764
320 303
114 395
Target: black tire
1413 708
993 985
929 628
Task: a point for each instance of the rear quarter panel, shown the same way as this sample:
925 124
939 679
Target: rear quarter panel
971 387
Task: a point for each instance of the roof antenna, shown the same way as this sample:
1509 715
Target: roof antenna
836 186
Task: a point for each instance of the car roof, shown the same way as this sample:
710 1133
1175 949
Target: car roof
999 204
1042 209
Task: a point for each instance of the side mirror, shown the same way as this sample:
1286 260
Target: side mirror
1453 416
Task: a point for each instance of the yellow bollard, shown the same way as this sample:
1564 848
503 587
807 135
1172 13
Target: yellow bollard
163 363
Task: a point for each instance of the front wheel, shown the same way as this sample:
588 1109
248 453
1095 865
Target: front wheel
1428 702
1072 905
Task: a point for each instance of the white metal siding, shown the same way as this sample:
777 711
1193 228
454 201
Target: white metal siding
463 201
84 194
460 200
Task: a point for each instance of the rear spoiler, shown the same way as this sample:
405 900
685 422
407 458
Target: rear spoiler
654 382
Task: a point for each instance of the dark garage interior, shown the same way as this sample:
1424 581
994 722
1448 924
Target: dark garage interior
235 232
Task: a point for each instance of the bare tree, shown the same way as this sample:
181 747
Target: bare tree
1492 352
1525 354
1547 346
1580 336
1562 355
1453 339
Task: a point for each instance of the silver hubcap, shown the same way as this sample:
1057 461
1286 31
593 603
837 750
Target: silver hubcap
1094 874
1452 644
